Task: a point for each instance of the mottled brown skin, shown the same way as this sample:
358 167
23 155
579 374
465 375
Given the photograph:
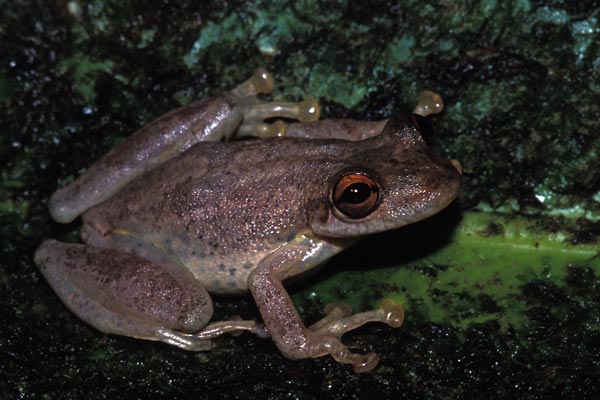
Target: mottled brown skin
204 120
232 217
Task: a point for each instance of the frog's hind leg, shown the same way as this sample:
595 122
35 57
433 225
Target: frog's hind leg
208 120
347 129
261 82
120 293
256 112
307 113
190 341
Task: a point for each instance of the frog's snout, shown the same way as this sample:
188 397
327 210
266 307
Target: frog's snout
457 165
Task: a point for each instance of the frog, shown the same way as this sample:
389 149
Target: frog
180 211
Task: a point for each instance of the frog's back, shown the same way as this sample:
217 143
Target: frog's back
219 208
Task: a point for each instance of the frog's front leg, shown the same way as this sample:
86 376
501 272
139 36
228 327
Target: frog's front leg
339 318
210 119
281 318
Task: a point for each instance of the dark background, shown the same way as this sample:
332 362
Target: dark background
521 81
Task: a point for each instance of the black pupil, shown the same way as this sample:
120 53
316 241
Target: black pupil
357 193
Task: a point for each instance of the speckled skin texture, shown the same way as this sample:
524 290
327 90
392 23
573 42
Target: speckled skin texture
111 277
219 214
163 228
174 132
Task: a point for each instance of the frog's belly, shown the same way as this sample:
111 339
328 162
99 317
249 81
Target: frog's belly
221 276
218 270
222 267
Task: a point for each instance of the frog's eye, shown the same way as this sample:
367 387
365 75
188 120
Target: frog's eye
355 195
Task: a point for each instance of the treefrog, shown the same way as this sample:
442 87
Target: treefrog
179 210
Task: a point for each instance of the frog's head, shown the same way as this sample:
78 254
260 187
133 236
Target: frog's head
392 180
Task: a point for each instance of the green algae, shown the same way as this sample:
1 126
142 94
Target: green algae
551 15
226 33
325 82
400 50
484 265
269 25
85 71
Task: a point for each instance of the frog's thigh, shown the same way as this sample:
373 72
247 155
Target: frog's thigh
207 120
119 293
159 141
